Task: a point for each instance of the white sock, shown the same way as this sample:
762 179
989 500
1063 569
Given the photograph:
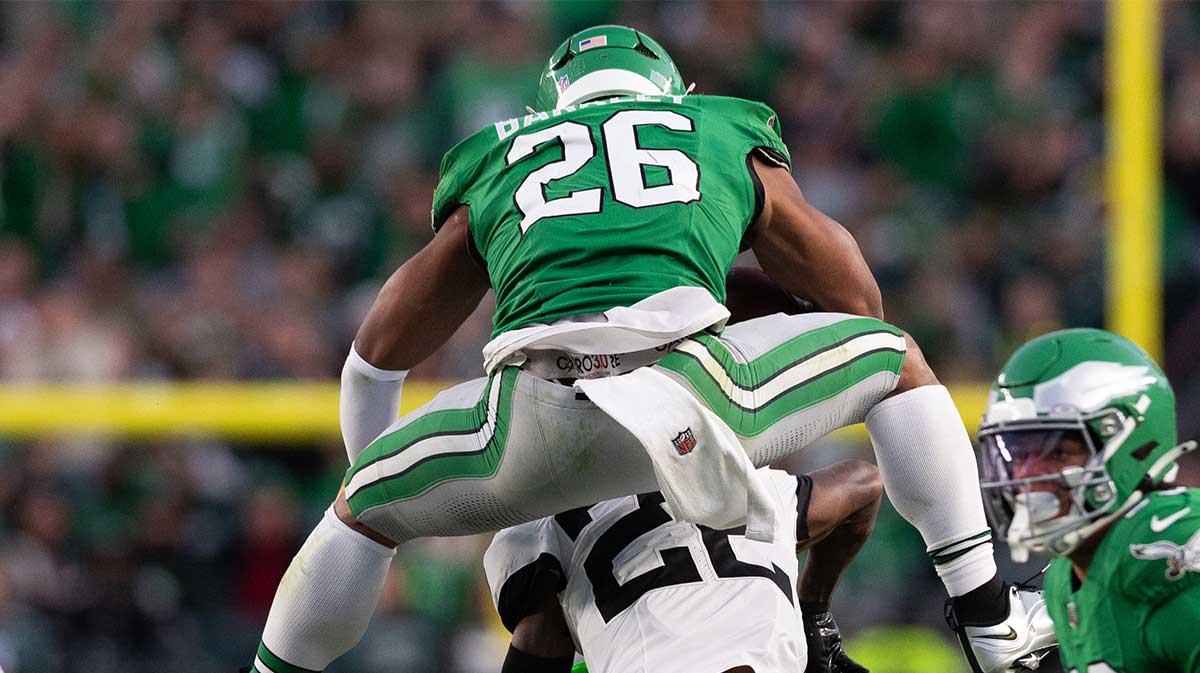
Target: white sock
929 473
325 599
369 402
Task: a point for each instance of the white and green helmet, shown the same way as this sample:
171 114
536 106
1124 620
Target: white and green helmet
607 61
1091 386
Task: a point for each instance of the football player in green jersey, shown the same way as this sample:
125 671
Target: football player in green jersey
605 222
1078 449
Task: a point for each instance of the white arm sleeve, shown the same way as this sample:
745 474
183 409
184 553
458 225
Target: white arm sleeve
369 402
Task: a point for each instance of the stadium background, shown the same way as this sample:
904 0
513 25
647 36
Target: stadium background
199 200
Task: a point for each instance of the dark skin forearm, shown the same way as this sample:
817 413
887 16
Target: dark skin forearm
424 301
809 254
541 641
842 510
543 632
828 559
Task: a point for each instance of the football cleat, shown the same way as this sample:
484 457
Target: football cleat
1016 643
825 652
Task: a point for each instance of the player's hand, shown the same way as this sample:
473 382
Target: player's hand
825 652
839 663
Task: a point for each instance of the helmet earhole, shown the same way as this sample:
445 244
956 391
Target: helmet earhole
1143 451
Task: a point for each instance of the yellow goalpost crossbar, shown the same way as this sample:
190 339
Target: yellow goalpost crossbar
272 412
267 413
1134 173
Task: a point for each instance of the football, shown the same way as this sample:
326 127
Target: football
750 293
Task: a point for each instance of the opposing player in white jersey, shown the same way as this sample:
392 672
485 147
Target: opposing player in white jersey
635 591
605 222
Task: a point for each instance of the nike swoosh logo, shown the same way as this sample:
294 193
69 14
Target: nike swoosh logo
1159 525
1011 635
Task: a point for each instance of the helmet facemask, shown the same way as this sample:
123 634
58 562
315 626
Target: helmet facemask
1063 490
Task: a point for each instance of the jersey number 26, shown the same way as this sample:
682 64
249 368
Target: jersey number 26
625 163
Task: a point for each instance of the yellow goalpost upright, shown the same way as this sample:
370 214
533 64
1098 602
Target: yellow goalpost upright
1134 173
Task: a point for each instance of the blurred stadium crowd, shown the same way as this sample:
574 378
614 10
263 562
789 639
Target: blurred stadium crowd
194 190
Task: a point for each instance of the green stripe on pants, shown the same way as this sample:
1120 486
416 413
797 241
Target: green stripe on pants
442 420
748 414
796 349
438 469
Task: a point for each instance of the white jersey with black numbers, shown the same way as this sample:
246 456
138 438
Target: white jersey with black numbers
644 593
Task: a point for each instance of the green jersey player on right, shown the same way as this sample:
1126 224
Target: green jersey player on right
1078 448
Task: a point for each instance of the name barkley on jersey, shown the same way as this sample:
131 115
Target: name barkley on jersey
508 127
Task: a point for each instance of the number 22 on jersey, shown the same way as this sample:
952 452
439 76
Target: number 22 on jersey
678 567
626 161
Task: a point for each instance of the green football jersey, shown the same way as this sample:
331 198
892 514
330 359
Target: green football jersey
1138 611
609 202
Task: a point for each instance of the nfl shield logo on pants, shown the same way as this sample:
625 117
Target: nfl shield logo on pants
684 442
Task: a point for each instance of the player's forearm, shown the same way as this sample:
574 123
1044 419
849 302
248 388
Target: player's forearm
541 641
841 515
828 559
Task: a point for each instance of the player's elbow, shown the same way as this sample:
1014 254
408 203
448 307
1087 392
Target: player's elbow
370 349
867 301
863 296
383 352
376 338
863 483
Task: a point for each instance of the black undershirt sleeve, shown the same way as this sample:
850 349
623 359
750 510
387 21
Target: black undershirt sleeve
524 588
803 495
519 662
